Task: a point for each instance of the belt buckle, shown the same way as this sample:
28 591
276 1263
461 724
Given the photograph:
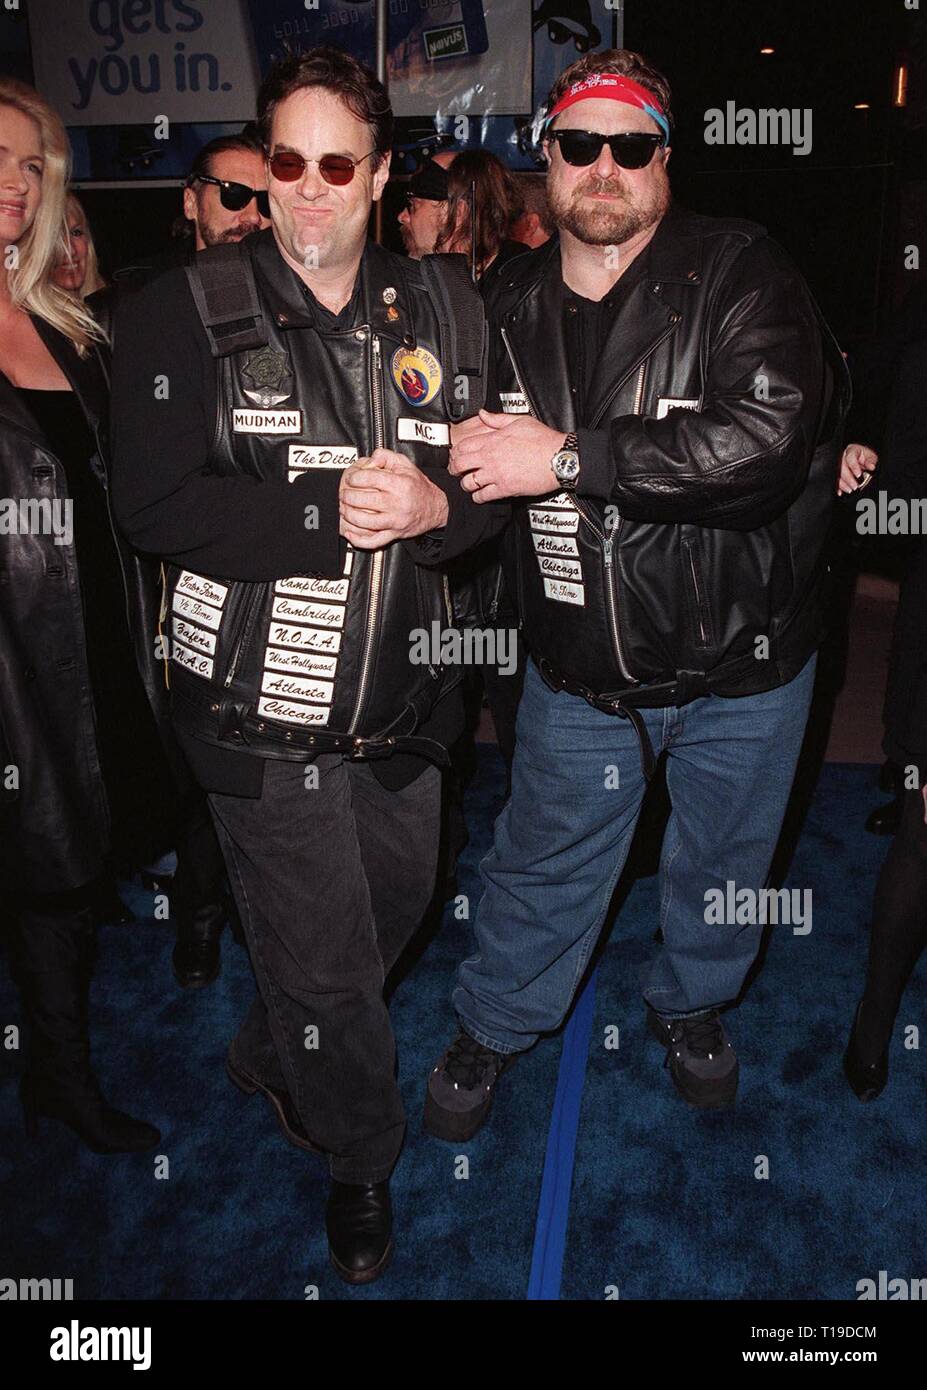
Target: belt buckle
553 678
372 748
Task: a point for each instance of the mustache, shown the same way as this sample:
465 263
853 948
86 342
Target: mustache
233 233
596 185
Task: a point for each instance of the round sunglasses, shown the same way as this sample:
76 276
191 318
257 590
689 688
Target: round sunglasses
235 196
632 150
338 169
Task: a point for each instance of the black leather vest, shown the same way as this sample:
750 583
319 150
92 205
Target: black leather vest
312 662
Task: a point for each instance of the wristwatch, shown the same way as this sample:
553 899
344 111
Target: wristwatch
565 463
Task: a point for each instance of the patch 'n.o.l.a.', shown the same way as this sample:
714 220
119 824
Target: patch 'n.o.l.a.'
416 374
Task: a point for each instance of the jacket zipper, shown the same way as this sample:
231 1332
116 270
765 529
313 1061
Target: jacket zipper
521 384
639 392
162 619
698 593
247 611
606 540
376 560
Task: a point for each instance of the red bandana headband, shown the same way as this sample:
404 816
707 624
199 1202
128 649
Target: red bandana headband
613 88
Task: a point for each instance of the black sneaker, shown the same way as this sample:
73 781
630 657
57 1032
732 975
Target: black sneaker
460 1089
701 1061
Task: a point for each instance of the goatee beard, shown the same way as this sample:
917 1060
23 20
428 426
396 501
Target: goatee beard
213 238
609 224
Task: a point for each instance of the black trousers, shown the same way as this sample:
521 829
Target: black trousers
331 882
51 939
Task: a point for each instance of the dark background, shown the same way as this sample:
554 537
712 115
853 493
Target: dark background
845 211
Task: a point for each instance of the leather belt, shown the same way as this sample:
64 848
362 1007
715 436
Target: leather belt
235 726
626 704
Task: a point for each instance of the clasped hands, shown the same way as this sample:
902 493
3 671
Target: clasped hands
385 498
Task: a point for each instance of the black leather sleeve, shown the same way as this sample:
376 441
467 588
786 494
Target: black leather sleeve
165 498
739 460
468 523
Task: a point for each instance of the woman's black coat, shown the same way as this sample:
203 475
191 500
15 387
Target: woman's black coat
55 831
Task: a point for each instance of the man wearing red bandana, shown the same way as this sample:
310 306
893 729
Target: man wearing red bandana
666 420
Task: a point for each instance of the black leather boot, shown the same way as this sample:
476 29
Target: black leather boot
359 1220
108 908
53 964
197 958
249 1084
885 820
868 1079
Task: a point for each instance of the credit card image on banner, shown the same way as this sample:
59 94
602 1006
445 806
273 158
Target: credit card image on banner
455 29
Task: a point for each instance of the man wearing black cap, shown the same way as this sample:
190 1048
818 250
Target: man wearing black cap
426 205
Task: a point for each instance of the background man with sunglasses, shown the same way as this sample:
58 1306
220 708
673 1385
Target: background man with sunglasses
671 410
298 486
226 194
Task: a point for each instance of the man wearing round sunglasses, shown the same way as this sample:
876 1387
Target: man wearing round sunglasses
297 486
671 404
226 194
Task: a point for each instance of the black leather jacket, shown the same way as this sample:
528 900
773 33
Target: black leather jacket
707 477
55 825
286 665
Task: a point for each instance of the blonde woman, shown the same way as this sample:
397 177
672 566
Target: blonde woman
72 706
77 268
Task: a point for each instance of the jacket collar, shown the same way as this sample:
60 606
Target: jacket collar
384 285
85 376
645 318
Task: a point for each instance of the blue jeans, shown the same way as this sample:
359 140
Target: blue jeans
562 840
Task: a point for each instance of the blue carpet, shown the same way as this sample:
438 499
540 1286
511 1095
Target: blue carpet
664 1202
240 1213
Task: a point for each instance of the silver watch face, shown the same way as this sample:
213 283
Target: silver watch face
566 466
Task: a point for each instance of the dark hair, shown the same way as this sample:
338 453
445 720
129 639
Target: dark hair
481 172
335 72
531 194
247 140
623 63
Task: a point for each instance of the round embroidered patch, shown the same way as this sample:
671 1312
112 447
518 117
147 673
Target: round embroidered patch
416 374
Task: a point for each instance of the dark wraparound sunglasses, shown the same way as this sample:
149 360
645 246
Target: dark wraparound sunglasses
632 150
235 196
338 169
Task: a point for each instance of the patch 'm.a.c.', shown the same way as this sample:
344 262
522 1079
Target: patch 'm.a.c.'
416 374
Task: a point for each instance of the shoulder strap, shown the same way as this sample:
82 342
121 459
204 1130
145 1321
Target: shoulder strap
224 290
462 328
